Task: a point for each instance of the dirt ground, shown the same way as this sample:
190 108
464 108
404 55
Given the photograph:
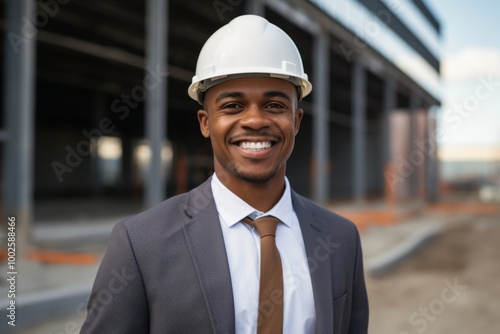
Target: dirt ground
452 285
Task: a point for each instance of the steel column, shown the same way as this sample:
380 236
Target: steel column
432 162
414 177
255 7
321 129
390 104
19 96
358 96
156 99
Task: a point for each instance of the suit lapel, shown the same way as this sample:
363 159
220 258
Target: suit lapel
320 267
206 245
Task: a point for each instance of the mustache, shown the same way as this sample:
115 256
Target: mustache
255 134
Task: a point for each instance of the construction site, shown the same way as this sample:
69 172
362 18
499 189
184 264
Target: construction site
96 126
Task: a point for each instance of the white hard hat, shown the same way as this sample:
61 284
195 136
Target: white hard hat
248 46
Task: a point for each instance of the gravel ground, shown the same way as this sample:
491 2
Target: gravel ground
450 286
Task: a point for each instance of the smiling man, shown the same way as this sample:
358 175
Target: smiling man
252 123
242 253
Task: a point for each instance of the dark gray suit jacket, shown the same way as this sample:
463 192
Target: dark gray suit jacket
166 271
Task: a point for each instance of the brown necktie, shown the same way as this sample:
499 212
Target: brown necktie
270 319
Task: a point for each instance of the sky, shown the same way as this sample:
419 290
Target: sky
470 69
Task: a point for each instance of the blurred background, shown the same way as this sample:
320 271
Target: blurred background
401 134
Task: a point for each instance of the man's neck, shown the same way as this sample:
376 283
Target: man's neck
261 196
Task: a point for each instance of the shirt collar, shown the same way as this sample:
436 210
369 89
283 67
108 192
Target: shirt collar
233 209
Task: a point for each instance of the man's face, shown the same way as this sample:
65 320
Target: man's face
252 123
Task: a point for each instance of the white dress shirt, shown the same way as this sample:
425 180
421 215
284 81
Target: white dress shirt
243 252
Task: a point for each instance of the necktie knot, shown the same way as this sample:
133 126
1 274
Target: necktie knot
265 226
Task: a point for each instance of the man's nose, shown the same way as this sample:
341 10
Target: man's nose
255 118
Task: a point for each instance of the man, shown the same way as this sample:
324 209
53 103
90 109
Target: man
200 262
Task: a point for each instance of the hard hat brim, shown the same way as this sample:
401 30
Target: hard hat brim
198 87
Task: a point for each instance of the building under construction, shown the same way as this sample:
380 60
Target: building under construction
95 104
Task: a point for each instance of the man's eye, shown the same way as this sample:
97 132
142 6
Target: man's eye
231 106
275 106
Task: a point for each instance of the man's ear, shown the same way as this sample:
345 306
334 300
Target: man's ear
298 118
204 126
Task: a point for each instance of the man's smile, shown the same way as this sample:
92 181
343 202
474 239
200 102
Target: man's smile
255 146
255 142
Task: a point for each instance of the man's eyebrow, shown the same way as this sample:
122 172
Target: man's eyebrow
277 94
229 94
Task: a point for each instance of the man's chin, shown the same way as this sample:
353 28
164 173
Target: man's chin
255 178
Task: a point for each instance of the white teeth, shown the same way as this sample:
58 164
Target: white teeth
255 146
